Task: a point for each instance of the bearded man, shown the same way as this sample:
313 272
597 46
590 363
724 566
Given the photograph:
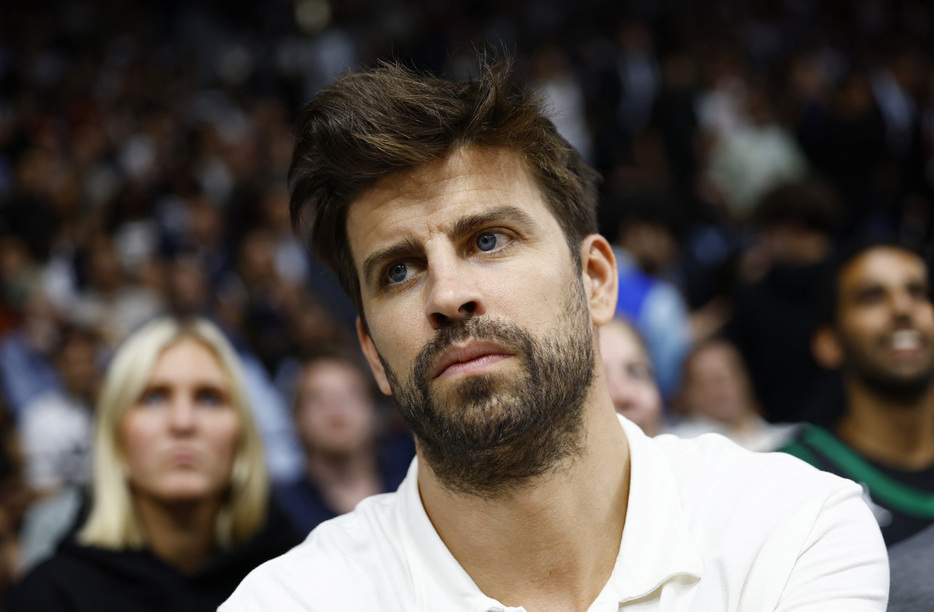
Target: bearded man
463 227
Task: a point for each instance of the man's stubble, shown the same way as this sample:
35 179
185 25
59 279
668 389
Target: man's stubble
489 433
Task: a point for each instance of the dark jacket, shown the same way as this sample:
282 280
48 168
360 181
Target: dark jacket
82 578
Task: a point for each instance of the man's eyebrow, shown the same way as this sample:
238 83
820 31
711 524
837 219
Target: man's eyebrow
867 286
372 264
876 289
462 228
501 214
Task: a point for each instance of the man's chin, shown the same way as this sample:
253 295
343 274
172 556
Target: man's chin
454 391
903 385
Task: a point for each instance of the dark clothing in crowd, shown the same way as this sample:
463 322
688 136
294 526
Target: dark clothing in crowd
912 565
774 319
902 500
303 501
82 578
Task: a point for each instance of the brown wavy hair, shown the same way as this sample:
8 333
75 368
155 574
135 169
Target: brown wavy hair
371 124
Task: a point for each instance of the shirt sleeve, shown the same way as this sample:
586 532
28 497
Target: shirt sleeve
842 564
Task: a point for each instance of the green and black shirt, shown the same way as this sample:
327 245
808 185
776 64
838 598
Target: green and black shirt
902 501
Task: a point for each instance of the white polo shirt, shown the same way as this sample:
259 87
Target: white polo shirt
709 527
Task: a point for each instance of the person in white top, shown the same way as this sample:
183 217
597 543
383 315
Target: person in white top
464 228
716 396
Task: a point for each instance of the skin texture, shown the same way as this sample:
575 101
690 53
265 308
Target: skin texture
492 274
630 376
180 438
415 214
471 239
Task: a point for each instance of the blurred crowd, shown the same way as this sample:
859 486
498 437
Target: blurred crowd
144 148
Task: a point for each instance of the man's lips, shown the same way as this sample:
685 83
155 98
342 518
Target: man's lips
465 359
906 342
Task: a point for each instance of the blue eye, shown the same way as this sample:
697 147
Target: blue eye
398 273
153 397
486 241
210 397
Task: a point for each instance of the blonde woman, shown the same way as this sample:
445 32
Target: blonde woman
179 509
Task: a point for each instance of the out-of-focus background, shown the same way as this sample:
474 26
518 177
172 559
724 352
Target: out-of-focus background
144 148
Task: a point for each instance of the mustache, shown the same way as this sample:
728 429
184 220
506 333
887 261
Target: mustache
506 334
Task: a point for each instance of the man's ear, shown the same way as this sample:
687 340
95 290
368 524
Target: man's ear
825 344
372 357
601 280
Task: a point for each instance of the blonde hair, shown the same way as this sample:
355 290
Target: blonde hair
112 522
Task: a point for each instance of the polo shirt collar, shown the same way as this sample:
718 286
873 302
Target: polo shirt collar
656 545
438 580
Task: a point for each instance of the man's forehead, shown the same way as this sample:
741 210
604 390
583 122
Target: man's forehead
459 169
466 182
882 265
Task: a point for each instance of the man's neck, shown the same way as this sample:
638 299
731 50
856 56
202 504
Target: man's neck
548 545
895 432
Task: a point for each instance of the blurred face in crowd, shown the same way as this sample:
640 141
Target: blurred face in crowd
180 438
477 318
104 270
187 285
630 376
335 412
716 385
76 362
884 331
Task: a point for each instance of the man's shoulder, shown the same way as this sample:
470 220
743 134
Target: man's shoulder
348 562
763 515
711 463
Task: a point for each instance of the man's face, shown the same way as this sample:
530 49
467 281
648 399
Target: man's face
885 321
478 318
716 385
335 412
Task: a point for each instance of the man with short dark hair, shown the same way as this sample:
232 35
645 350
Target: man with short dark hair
878 329
463 226
349 454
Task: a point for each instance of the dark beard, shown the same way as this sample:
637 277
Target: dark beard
488 434
900 388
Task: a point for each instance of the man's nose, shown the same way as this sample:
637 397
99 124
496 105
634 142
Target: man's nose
453 293
902 304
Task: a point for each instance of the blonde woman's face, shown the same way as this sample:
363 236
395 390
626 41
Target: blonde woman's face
179 439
